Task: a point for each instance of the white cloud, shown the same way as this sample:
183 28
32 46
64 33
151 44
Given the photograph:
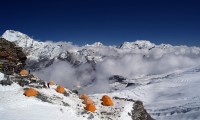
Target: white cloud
127 63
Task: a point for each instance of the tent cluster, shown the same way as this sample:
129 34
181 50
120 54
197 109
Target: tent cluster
33 92
59 89
25 78
106 101
26 74
88 102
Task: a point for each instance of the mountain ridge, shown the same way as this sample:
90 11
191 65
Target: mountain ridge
49 49
84 61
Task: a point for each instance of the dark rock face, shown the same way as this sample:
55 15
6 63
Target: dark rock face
139 113
75 91
37 65
6 82
21 55
116 78
132 84
12 57
43 98
125 99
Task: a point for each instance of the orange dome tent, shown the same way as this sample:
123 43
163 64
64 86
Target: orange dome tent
60 89
105 97
30 92
106 101
23 73
90 107
51 82
88 101
83 96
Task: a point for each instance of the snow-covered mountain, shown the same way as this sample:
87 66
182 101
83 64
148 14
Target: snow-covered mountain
35 50
41 52
164 77
97 62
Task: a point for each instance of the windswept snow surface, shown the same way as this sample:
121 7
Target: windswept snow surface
15 106
173 96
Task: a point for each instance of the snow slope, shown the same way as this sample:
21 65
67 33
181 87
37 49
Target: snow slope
15 106
1 76
173 96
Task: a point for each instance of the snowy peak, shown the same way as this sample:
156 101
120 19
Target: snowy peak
19 38
34 49
12 35
96 44
139 44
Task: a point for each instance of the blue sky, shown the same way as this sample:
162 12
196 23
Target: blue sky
109 21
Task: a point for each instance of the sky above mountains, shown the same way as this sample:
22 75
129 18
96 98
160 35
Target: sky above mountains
108 21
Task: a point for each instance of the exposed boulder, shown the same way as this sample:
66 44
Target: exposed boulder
139 113
117 78
6 82
75 91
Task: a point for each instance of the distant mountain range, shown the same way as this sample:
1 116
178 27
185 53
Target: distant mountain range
41 54
130 60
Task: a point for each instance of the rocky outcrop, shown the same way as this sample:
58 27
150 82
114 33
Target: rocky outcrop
12 57
139 113
6 82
